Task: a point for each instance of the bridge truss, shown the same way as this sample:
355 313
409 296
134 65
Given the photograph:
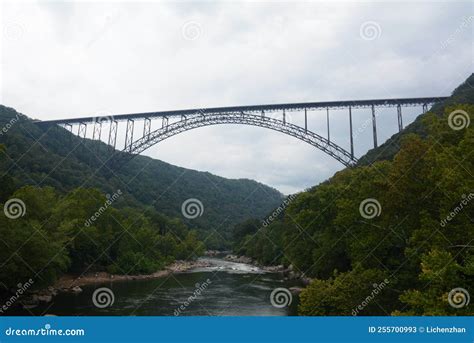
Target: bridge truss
259 115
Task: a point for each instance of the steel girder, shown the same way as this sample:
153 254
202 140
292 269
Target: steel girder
333 150
257 109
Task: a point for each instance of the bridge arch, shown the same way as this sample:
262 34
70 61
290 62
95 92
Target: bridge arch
202 120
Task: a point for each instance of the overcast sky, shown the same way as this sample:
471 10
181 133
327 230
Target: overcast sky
71 59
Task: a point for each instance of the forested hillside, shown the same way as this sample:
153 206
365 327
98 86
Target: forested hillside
45 234
392 237
53 157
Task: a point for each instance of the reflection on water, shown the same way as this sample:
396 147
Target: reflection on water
225 289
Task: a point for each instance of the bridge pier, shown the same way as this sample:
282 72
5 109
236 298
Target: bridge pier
113 134
129 133
97 130
327 122
146 127
164 122
68 127
82 130
284 117
350 129
305 120
400 119
374 126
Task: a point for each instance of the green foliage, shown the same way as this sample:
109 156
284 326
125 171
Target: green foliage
55 235
343 293
31 246
263 243
440 274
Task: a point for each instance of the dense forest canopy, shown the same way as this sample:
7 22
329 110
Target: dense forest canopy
51 233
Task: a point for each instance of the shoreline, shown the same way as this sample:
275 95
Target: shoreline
70 283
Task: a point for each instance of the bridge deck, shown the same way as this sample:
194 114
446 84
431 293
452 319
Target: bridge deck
260 108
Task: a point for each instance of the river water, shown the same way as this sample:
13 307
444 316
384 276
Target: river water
226 289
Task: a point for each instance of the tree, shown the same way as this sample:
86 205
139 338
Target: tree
440 274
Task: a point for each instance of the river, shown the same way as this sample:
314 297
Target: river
226 289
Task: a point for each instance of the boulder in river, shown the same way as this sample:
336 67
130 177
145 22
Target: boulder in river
53 291
274 269
44 298
293 275
238 259
30 302
76 290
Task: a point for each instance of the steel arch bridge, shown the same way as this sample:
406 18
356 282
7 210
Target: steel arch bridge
305 135
246 115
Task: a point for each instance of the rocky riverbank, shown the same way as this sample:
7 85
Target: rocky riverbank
73 283
214 253
288 272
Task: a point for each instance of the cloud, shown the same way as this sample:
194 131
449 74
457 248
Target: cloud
75 59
